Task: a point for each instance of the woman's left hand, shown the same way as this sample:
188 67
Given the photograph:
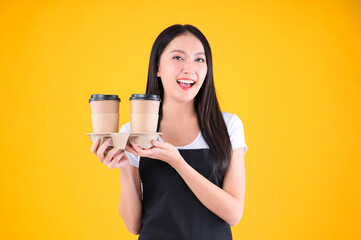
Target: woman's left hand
162 151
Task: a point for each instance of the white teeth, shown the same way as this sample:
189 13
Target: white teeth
185 81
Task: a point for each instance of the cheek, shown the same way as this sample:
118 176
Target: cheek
203 71
169 70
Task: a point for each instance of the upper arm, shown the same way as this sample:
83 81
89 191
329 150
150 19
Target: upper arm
234 181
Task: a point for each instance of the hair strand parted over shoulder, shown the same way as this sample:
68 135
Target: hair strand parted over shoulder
210 118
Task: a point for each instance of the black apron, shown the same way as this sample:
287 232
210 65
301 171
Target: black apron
170 209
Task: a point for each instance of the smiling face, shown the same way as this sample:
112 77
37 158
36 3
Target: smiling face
182 68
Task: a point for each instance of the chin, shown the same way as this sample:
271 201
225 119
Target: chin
186 98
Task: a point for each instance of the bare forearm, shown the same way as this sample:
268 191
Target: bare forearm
130 207
220 202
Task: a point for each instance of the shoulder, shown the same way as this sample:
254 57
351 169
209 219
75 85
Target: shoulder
229 116
231 120
235 130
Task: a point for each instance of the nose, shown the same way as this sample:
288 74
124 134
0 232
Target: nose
188 67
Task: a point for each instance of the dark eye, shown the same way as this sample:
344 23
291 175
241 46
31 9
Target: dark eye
200 60
177 58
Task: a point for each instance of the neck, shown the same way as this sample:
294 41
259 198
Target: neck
176 111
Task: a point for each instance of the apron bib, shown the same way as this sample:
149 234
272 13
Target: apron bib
170 209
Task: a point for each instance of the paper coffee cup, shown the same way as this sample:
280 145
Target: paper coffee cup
142 122
105 122
144 103
104 113
100 103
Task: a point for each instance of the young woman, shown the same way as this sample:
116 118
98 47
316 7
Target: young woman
191 184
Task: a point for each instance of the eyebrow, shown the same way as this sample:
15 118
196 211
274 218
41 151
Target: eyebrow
181 51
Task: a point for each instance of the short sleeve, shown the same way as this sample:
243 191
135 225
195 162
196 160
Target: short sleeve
133 160
235 130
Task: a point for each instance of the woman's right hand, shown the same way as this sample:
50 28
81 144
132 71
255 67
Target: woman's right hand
113 158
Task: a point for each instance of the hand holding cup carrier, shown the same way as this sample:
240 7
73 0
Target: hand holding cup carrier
105 122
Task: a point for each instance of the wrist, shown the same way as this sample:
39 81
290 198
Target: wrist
126 169
178 163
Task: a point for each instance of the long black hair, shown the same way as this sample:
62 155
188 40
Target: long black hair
210 119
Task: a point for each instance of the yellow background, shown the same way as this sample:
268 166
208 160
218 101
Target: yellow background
289 69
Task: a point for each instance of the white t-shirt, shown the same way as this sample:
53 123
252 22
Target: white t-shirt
235 131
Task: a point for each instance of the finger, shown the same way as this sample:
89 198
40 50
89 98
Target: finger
95 145
139 150
108 150
102 148
112 153
120 152
151 152
161 145
130 149
115 161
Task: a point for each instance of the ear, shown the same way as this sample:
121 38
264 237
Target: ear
158 74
